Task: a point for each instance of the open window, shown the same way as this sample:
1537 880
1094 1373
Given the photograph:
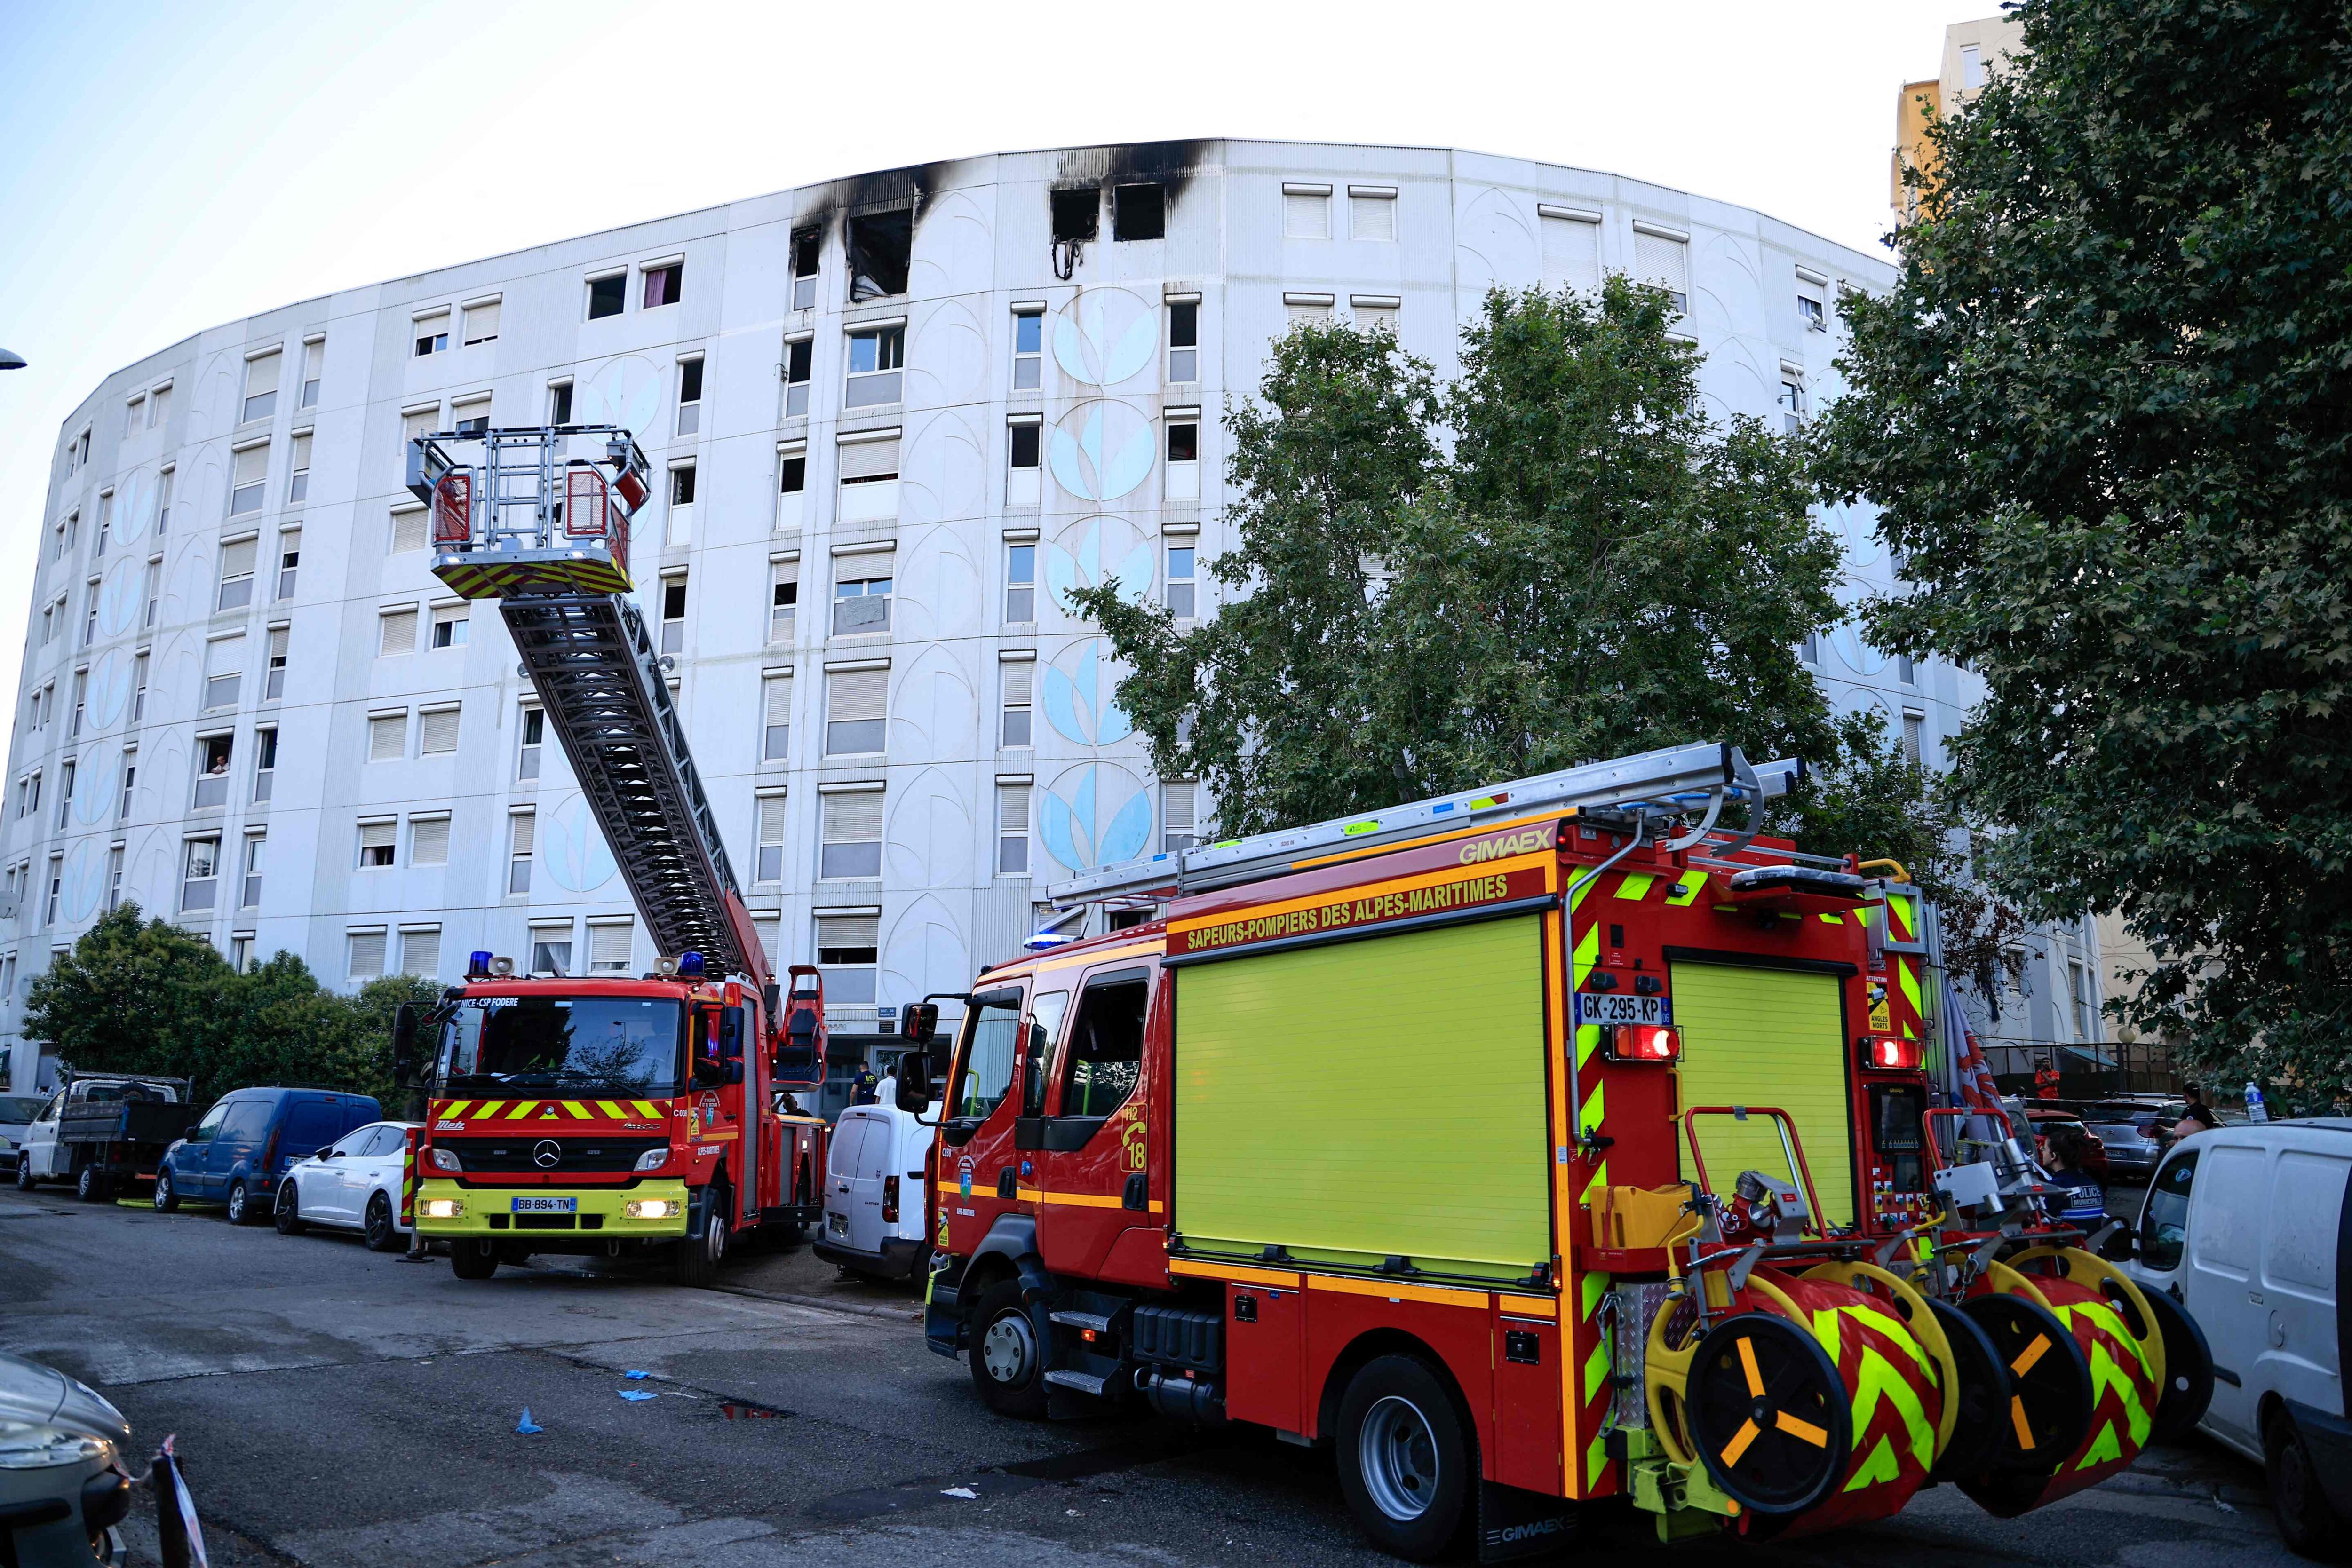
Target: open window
1077 214
1101 1064
881 246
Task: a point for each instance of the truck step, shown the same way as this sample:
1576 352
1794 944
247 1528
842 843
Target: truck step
1084 1383
1094 1321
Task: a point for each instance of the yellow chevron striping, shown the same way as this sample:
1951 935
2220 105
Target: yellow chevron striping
1635 884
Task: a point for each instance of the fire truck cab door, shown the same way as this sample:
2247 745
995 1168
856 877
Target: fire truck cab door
719 1035
978 1168
1090 1179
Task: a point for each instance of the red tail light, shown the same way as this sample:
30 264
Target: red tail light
1643 1042
889 1200
1890 1053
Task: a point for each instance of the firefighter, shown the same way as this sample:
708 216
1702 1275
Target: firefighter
869 1088
2046 1079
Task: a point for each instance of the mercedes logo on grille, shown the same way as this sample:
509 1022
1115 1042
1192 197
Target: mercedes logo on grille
547 1154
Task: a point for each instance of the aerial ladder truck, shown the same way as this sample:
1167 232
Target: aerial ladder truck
605 1114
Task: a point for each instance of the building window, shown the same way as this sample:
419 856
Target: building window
608 946
224 671
432 333
1179 828
237 560
870 480
290 561
770 863
29 794
420 951
1028 350
520 831
856 705
130 785
1915 729
159 406
1075 212
1905 671
1017 676
1020 584
689 395
799 356
437 730
1662 259
862 603
1375 312
849 947
297 477
665 285
471 418
90 613
481 322
449 625
607 295
408 528
249 895
1024 475
559 402
428 841
1184 457
379 845
1181 604
314 360
673 614
791 484
1298 306
784 600
81 701
880 246
273 686
138 684
113 892
199 875
65 791
2078 992
1305 211
1791 400
1810 314
134 415
1973 76
1371 212
388 737
776 706
534 732
363 958
1139 211
1184 342
153 588
550 949
876 362
1810 649
681 504
808 253
260 387
250 476
1012 830
850 844
105 521
265 763
395 632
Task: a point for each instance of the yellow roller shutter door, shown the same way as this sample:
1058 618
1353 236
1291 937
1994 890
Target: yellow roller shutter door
1767 1037
1368 1099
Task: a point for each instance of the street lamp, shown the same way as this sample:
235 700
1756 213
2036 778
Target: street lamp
9 361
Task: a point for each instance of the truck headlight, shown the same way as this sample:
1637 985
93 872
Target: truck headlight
652 1208
443 1208
653 1159
445 1159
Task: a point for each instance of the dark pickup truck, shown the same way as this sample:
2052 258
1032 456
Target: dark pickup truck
111 1132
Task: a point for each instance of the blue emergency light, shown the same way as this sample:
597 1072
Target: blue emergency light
690 963
477 964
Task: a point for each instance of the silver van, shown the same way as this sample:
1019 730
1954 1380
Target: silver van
2250 1227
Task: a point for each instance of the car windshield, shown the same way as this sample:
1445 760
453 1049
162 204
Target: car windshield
622 1044
20 1107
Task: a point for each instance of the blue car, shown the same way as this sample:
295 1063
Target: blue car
249 1140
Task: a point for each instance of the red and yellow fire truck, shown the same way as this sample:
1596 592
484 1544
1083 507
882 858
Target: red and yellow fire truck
1529 1148
605 1114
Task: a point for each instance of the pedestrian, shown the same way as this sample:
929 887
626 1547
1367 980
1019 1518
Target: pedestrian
2198 1118
2075 1191
866 1088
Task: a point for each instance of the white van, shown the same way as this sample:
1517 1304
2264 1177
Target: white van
873 1192
2250 1227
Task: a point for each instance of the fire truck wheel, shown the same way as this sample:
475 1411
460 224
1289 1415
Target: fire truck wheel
2309 1526
167 1196
473 1259
694 1262
381 1236
290 1211
1007 1363
1405 1465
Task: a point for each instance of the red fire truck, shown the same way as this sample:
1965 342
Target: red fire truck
1529 1148
605 1114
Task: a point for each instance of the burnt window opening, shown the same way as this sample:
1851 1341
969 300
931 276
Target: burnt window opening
879 247
1139 211
1077 214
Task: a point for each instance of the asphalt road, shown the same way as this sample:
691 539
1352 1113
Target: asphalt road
338 1409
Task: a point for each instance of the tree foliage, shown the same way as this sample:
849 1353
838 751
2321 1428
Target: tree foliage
2105 411
1556 558
135 996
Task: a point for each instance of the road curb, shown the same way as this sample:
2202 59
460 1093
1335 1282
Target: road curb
853 1308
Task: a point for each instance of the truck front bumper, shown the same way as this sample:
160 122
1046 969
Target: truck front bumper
447 1211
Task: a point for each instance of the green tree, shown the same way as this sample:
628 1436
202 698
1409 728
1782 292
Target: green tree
2105 413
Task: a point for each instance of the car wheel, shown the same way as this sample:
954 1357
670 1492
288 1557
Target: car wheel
382 1235
473 1259
167 1196
2306 1521
694 1262
1008 1360
85 1185
240 1203
26 1180
1405 1461
290 1211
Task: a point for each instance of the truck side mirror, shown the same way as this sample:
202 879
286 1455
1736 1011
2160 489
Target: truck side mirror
920 1022
915 1082
403 1045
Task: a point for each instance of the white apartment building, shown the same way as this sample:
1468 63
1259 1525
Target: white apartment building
900 416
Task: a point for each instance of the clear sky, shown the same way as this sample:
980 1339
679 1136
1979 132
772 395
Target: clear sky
169 167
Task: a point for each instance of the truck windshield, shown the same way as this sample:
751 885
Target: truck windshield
628 1045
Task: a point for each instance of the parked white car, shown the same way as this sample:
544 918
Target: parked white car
353 1184
18 1112
873 1192
2250 1227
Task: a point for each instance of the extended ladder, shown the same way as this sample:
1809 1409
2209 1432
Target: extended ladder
546 534
1673 785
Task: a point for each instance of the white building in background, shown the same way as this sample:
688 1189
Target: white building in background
900 416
